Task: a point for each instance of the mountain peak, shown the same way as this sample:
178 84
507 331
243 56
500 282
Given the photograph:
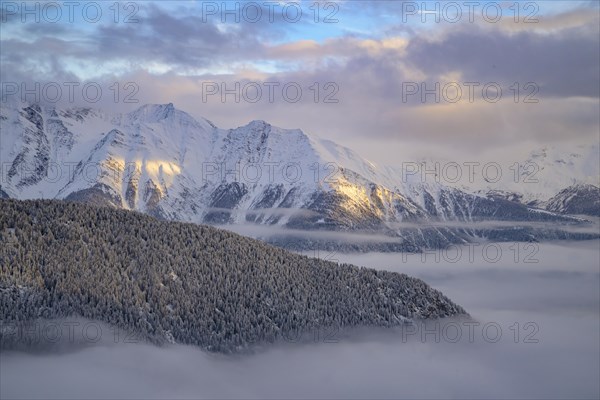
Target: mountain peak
258 122
153 112
167 113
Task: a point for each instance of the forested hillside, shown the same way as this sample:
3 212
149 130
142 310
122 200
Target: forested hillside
188 283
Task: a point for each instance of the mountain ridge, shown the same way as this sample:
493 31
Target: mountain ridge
162 161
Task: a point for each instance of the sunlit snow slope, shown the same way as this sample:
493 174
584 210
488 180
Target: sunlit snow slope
161 161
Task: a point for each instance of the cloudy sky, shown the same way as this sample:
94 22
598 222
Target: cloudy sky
387 78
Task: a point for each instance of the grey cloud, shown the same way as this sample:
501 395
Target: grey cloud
185 41
564 64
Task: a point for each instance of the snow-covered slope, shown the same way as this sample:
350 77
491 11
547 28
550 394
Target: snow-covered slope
576 199
161 161
559 168
545 172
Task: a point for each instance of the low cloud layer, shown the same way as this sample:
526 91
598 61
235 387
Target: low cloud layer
548 346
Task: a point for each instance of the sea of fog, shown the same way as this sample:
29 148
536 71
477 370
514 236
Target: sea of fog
535 334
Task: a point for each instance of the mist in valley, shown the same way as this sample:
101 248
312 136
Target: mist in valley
535 333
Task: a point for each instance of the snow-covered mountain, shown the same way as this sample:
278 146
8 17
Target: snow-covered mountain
161 161
547 171
577 199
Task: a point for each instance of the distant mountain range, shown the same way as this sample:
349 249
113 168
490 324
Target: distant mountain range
160 161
